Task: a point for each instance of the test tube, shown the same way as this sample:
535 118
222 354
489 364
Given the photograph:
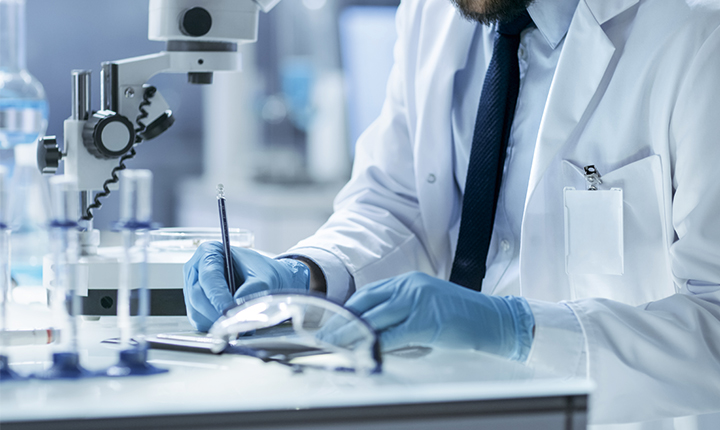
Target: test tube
134 224
64 302
5 371
133 304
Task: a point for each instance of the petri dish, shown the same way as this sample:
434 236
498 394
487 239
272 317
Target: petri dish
184 239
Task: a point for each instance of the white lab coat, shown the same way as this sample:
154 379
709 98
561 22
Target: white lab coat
636 93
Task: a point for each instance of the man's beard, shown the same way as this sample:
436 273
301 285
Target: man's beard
491 11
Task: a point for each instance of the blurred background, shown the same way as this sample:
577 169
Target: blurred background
280 135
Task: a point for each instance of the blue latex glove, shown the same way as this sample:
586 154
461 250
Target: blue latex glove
206 291
417 309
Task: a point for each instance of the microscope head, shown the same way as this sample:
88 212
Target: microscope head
230 21
205 25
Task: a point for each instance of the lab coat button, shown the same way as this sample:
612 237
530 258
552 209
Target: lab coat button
505 245
431 178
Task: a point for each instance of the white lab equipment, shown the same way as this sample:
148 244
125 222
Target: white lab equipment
202 38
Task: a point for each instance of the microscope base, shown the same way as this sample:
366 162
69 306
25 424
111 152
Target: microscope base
99 276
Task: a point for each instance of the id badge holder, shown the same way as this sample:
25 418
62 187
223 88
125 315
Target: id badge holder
593 229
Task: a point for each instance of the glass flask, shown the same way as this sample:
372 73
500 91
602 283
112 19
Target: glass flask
23 106
23 119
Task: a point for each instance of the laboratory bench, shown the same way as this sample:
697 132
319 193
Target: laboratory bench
418 389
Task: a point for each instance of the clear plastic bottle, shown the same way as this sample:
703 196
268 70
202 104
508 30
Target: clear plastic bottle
23 119
29 201
5 371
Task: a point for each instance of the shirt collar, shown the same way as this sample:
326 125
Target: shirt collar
552 18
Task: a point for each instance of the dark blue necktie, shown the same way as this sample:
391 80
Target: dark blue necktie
487 156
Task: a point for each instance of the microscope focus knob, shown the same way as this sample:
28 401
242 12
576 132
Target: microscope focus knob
48 155
107 134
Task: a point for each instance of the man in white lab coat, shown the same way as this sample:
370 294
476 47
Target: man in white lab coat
624 290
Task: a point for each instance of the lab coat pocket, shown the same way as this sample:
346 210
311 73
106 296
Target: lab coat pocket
645 273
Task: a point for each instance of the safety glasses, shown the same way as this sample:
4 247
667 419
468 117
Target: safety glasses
299 324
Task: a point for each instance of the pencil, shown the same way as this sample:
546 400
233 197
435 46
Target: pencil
229 270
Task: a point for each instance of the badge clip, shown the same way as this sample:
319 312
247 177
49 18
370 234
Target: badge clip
592 176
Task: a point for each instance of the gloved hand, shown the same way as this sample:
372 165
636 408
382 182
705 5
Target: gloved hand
206 291
417 309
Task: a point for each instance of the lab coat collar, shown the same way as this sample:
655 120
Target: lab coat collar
586 55
605 10
552 18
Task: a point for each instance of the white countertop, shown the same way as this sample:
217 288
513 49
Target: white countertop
204 383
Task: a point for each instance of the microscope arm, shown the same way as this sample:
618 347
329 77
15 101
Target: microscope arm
123 81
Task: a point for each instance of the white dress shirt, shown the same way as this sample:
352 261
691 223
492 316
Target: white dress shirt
538 55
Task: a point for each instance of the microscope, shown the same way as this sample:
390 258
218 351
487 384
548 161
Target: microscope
202 37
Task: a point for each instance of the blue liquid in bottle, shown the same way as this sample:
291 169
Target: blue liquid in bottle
22 119
23 106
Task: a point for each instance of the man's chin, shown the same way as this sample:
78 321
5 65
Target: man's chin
491 11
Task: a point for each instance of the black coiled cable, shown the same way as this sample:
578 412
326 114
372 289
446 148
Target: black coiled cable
114 178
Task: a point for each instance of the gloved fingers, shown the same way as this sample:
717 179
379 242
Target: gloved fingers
338 330
386 315
190 274
191 278
205 295
251 286
282 274
211 269
394 338
345 335
330 327
201 305
252 267
246 261
370 296
198 320
211 278
200 252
